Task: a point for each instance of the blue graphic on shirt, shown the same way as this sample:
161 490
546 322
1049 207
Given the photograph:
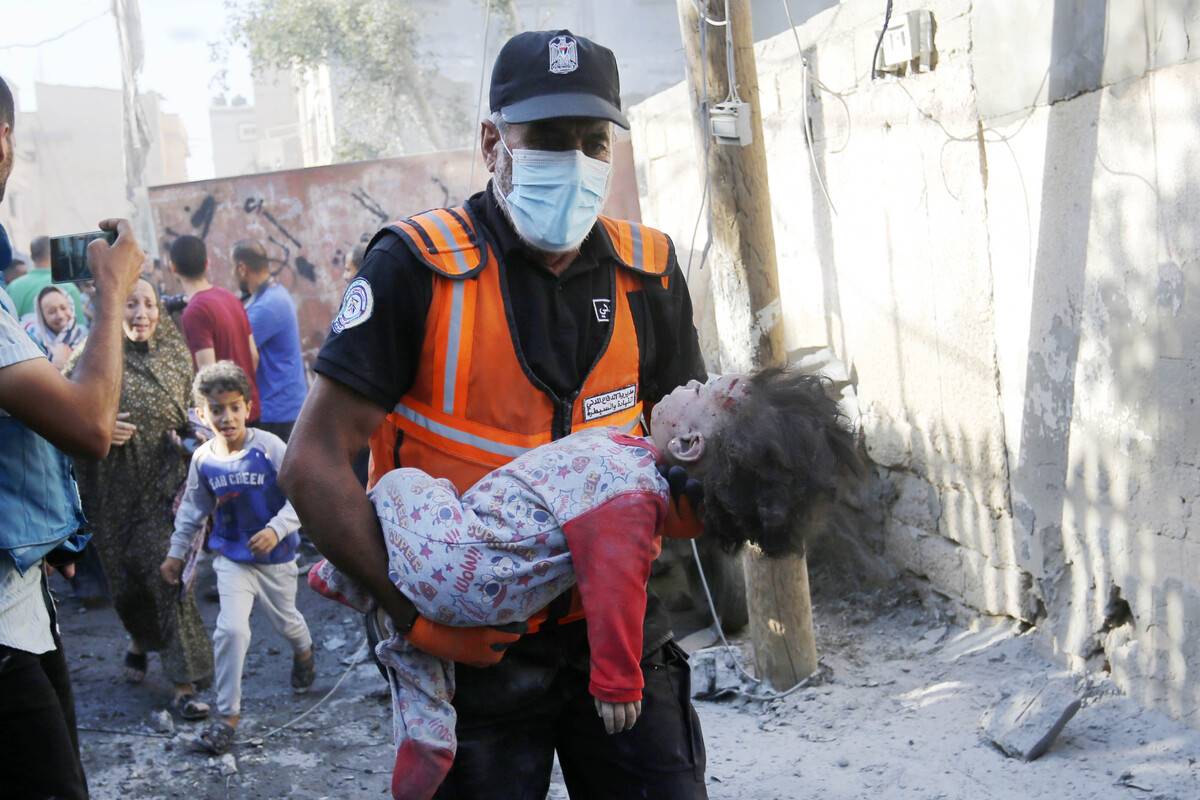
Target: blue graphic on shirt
247 499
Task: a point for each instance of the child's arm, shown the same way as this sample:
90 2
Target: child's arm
612 547
197 503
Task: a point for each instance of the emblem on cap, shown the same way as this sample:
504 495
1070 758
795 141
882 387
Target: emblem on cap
564 55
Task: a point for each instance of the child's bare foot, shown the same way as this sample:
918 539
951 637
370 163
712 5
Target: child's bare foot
304 671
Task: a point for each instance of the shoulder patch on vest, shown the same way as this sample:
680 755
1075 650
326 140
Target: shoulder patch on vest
446 240
639 247
358 303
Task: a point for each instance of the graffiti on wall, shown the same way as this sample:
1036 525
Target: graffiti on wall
309 220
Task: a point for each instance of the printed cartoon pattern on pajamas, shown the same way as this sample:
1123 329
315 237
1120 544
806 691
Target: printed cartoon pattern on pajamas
497 555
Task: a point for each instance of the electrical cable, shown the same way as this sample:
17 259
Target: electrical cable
57 36
705 195
812 156
712 607
252 739
730 66
887 19
716 23
483 47
354 663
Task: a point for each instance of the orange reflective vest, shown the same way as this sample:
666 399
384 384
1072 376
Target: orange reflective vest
474 404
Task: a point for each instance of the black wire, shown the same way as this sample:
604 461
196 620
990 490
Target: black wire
887 18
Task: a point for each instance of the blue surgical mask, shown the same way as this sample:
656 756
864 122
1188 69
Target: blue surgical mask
556 196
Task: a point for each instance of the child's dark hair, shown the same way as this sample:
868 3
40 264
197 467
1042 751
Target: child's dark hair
784 448
223 376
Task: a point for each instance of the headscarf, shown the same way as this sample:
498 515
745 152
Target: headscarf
35 324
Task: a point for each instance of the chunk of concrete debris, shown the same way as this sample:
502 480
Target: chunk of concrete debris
227 765
1027 720
162 722
714 674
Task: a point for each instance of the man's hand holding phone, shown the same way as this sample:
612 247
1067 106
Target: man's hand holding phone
115 268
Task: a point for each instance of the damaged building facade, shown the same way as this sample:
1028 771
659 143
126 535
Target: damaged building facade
1012 287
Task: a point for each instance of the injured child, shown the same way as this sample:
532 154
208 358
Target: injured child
588 510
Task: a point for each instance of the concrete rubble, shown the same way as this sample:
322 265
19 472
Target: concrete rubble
1027 720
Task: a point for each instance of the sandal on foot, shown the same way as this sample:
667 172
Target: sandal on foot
218 738
189 708
135 667
304 672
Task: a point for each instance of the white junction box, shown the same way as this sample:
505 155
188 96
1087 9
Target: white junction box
729 123
908 44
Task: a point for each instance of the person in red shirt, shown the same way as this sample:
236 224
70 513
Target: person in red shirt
214 322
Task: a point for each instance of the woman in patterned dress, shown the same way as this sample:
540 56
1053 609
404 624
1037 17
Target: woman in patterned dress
128 498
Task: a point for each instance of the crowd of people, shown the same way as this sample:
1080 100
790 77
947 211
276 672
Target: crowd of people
499 362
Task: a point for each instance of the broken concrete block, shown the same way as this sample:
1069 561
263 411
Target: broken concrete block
1027 720
227 765
714 674
162 722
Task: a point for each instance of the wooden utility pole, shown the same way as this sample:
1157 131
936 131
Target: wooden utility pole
745 295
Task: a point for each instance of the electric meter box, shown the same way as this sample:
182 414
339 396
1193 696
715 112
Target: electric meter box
729 123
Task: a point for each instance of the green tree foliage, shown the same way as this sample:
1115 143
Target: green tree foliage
390 98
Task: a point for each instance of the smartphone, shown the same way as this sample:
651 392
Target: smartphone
68 255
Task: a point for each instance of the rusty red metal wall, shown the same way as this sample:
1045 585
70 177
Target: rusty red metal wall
310 219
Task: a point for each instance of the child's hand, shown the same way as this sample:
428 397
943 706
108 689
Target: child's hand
618 716
263 542
171 569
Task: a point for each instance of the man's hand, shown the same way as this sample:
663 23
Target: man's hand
171 569
123 431
684 520
115 267
60 354
263 542
618 716
475 647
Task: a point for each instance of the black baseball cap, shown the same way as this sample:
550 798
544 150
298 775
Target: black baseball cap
551 74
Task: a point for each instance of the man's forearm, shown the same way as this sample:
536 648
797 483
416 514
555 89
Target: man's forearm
341 521
98 373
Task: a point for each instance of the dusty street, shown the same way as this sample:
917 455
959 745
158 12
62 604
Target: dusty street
898 718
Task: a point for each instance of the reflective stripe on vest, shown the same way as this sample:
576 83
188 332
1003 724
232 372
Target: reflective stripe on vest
445 239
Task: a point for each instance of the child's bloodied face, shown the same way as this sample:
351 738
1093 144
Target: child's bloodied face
226 413
685 420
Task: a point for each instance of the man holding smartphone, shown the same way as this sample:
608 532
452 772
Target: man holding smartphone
43 417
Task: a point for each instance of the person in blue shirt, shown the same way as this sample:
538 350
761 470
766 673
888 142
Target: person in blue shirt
254 538
282 382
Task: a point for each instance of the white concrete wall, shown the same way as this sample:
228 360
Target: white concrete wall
1011 275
